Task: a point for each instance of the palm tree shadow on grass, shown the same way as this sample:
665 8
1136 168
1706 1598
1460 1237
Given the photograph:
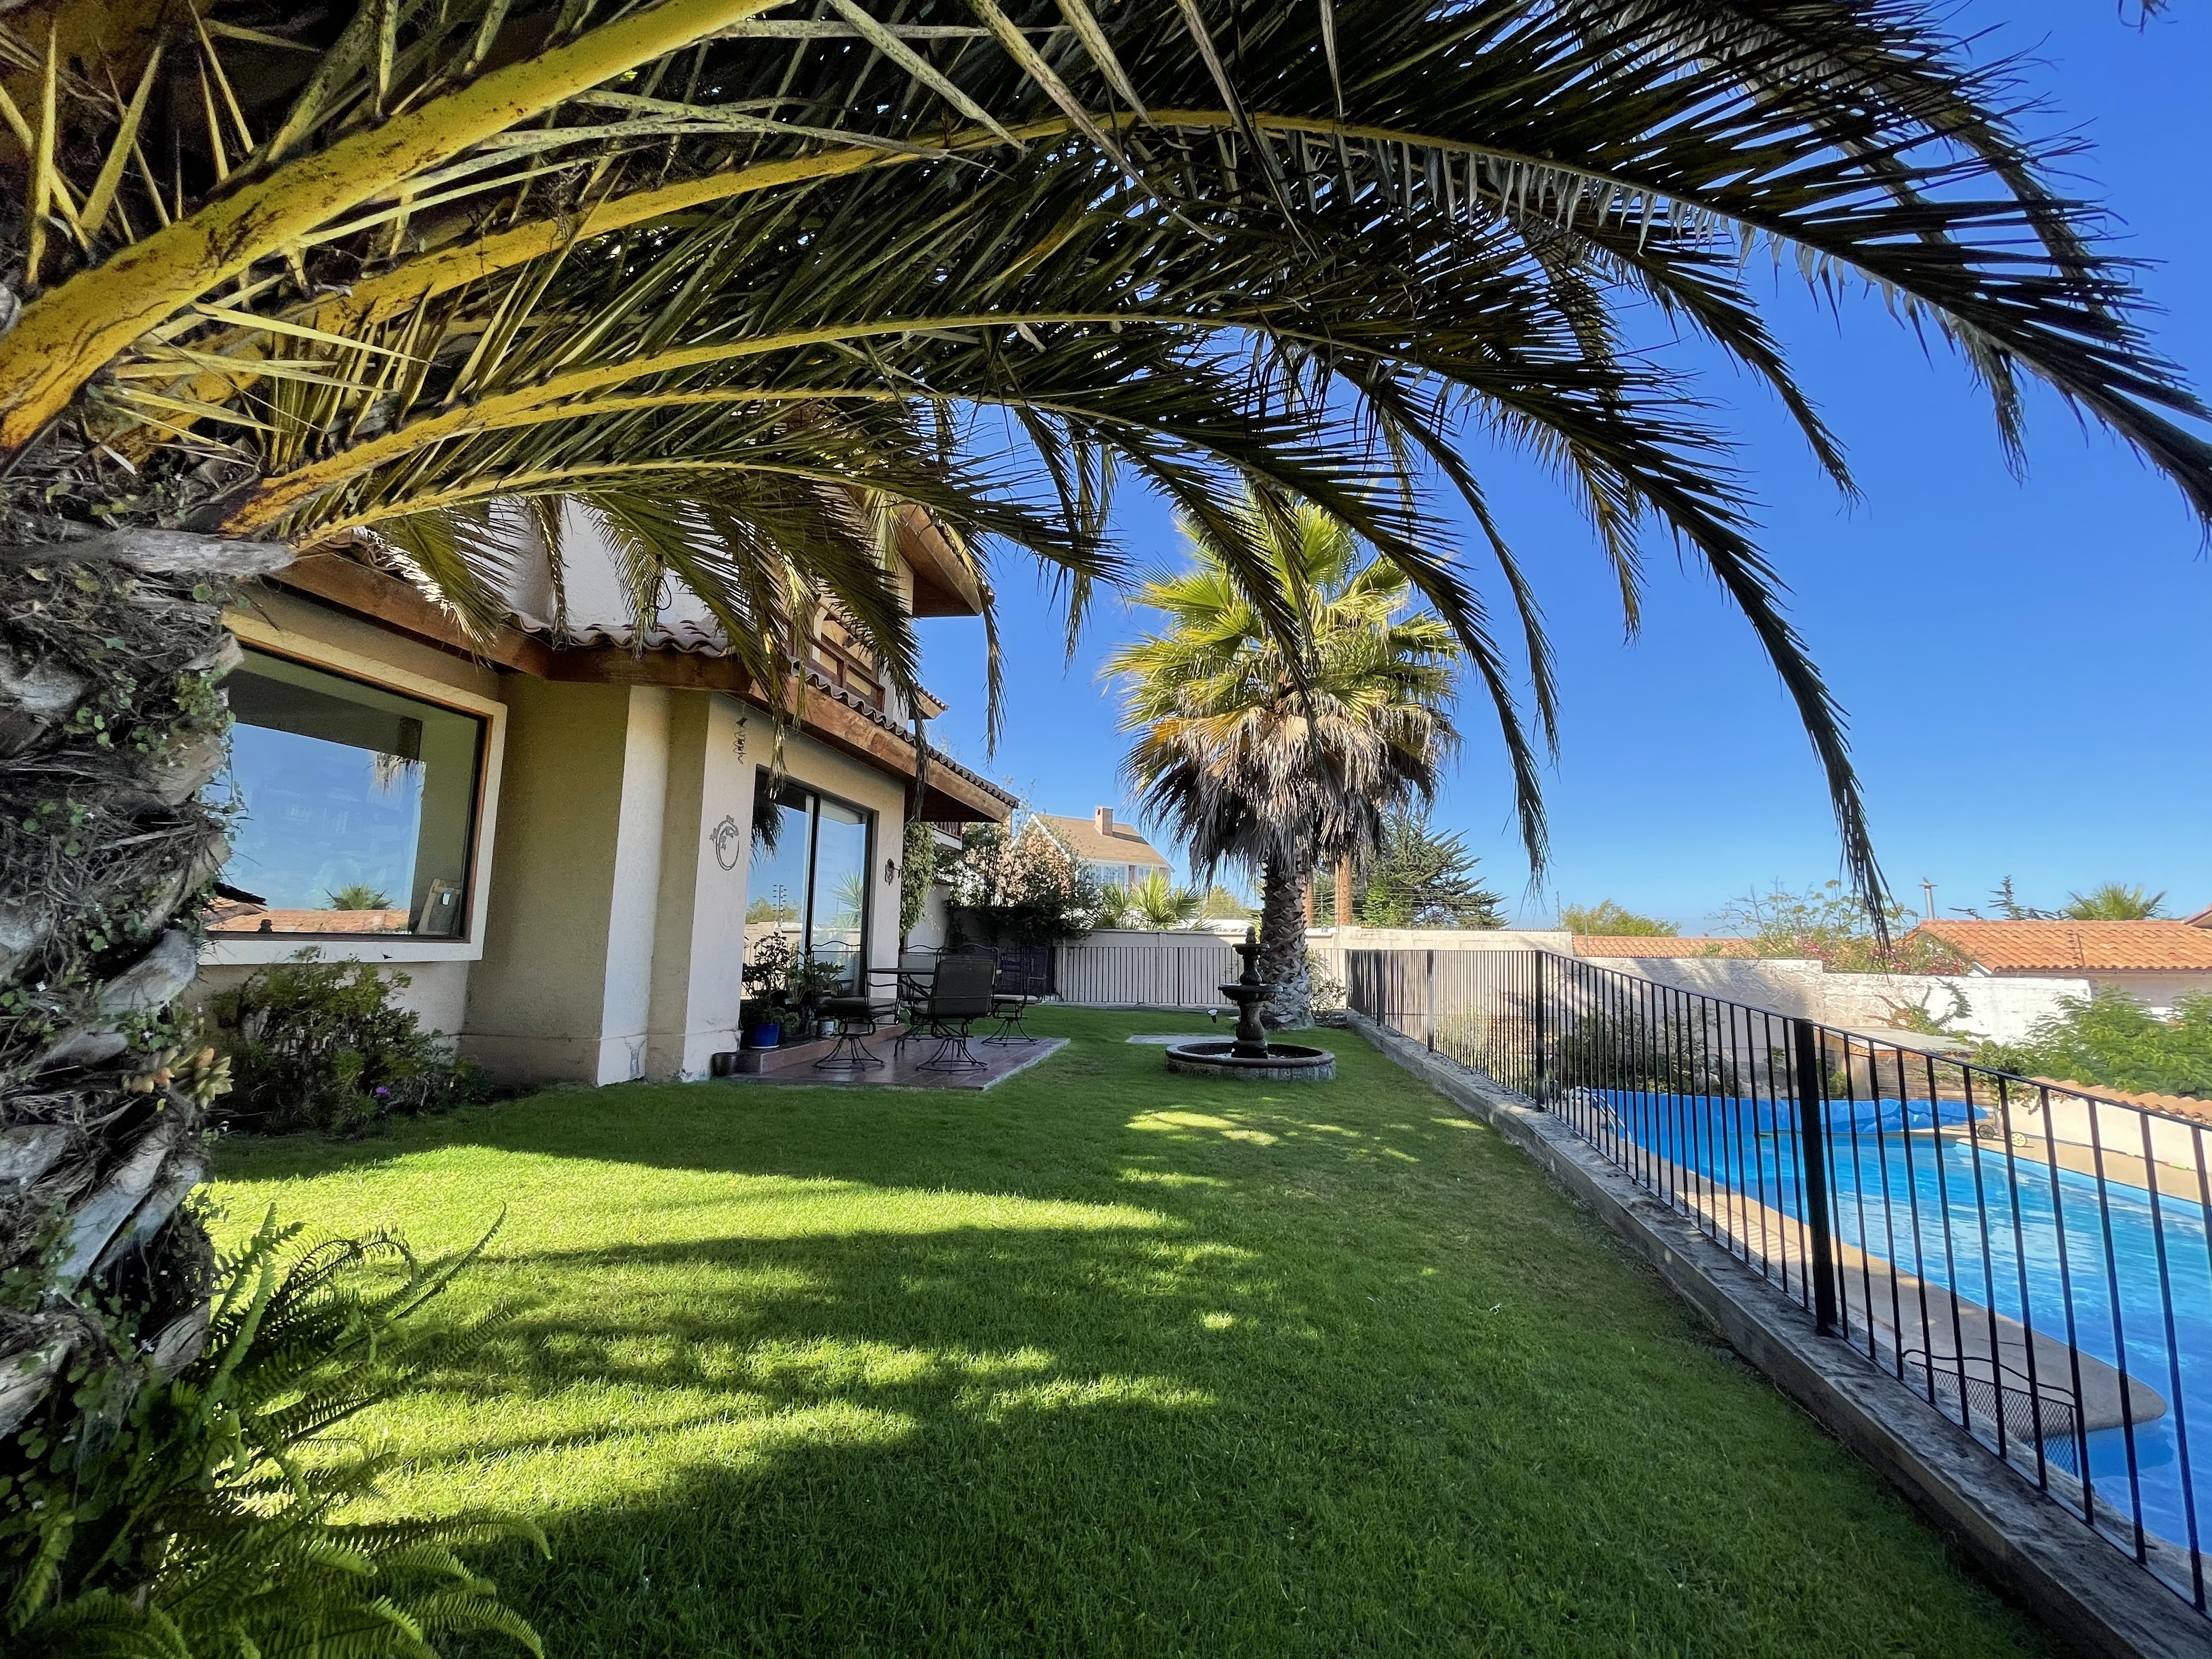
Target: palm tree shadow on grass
1197 1383
1130 1441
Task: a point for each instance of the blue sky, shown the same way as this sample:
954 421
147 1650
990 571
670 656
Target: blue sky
2027 664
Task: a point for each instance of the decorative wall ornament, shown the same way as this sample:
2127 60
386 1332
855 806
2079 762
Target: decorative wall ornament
729 841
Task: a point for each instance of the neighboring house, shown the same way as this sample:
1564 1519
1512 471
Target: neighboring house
551 832
1115 853
2154 962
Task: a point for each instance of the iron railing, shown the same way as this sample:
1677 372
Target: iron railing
2032 1261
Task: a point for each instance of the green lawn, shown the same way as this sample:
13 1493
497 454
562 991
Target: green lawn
1102 1362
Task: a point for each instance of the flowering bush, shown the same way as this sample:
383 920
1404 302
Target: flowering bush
1028 886
321 1045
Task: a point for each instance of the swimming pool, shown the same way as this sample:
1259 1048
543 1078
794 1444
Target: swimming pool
2102 1267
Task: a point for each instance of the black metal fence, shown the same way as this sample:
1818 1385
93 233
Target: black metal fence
2034 1262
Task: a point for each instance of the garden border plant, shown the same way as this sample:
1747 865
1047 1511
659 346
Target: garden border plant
325 1045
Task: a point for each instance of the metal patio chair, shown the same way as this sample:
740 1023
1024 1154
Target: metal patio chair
1012 996
960 992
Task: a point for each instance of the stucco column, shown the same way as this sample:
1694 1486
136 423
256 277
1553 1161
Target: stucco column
699 938
564 991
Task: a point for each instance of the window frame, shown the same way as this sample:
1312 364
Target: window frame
257 634
870 820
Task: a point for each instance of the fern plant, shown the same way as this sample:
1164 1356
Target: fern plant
200 1517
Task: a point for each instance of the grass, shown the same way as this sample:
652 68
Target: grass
1102 1362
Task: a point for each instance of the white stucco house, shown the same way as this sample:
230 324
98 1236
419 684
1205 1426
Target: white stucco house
2154 962
551 835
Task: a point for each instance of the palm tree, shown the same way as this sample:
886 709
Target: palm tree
401 279
1158 903
1275 758
2114 902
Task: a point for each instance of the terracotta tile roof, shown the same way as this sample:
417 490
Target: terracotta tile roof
2201 918
1120 844
1642 945
2072 947
227 917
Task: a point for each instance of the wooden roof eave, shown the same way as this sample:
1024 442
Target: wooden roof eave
381 597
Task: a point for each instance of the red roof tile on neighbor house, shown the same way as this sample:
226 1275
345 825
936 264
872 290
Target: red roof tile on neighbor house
1645 945
2201 918
2074 947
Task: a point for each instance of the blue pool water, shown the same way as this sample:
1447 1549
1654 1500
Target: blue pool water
1962 1215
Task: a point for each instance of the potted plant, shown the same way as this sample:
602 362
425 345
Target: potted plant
810 983
767 979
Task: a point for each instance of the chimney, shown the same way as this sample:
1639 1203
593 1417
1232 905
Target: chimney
1104 817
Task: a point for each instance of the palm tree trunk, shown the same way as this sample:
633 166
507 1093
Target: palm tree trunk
111 724
1282 946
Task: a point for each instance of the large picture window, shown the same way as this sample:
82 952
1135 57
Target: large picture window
812 886
357 806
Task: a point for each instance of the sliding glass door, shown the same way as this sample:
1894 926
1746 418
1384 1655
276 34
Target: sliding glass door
811 887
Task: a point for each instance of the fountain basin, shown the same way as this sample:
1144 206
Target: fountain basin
1284 1062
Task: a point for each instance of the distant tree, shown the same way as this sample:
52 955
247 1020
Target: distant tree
1830 925
2113 902
358 896
1219 904
1608 920
2008 906
1418 878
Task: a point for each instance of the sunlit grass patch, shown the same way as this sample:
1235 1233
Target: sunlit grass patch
1101 1362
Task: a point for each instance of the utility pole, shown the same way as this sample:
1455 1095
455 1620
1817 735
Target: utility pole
1928 896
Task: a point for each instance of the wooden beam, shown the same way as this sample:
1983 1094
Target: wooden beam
383 598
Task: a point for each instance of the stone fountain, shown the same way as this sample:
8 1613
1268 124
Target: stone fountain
1249 1054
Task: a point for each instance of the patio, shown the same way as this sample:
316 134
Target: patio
915 1068
1101 1362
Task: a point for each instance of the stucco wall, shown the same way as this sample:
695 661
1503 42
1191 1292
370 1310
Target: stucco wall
437 992
537 1003
2003 1009
2158 992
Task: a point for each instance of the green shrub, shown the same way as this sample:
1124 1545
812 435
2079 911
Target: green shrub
917 872
2111 1040
193 1516
321 1045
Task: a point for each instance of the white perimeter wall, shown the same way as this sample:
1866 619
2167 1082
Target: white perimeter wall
2003 1009
1129 969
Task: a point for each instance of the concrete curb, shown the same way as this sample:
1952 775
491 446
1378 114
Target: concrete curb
2087 1591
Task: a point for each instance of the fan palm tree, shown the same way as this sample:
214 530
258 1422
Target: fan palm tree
1275 758
402 279
1156 902
2115 901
